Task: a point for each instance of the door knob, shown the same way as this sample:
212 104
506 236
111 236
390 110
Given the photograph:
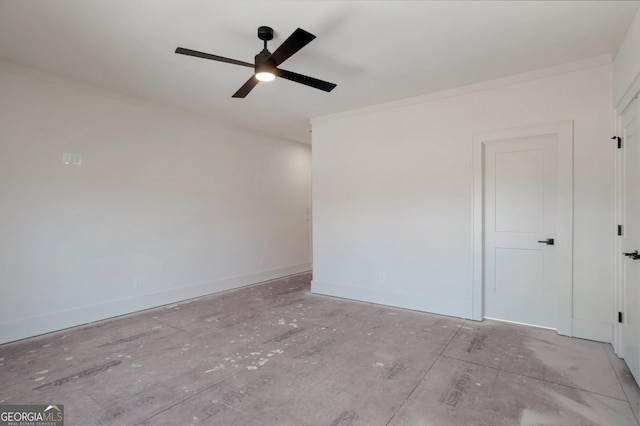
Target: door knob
548 241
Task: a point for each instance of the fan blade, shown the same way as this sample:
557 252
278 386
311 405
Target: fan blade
306 80
296 41
246 88
189 52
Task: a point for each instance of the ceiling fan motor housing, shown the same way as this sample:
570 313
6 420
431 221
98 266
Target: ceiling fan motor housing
262 62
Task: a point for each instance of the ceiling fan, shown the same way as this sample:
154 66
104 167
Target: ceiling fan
266 63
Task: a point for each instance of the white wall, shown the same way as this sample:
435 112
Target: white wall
392 192
188 206
626 66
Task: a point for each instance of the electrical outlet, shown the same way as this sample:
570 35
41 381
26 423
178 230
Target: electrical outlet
137 283
69 158
382 276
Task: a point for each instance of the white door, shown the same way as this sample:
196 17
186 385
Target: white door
630 240
520 202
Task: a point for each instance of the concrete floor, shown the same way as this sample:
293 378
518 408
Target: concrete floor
276 354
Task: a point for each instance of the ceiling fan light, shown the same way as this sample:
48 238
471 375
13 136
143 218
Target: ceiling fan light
265 76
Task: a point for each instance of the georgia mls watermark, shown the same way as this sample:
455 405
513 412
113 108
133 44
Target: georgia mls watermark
32 415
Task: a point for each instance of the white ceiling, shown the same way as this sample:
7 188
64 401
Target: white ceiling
376 51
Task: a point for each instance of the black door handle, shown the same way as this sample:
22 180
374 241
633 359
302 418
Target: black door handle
548 241
633 255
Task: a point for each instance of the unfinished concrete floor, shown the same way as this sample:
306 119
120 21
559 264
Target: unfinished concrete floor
276 354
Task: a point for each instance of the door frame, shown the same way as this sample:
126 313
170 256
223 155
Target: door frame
564 132
629 96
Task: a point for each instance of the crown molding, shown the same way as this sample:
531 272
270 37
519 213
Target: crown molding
472 88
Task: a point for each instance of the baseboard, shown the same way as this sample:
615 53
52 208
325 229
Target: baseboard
29 327
593 330
435 305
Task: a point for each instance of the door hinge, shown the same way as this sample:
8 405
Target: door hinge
620 317
619 140
619 230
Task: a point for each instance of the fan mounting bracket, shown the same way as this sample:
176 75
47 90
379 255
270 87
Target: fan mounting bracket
265 33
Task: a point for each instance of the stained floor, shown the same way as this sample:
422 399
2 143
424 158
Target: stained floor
276 354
